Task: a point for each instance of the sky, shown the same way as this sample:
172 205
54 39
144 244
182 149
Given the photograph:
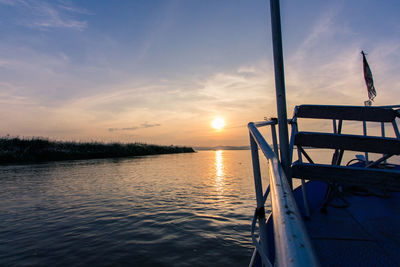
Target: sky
160 71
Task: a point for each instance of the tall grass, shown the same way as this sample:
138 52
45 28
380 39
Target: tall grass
36 149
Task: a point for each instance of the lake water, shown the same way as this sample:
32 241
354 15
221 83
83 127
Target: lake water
165 210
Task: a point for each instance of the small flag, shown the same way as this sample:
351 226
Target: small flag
368 79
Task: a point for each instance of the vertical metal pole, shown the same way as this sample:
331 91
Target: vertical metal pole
340 125
396 129
280 87
259 194
383 135
338 153
274 140
335 154
367 103
303 188
334 126
293 124
365 134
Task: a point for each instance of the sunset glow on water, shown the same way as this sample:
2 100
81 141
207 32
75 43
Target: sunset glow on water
188 209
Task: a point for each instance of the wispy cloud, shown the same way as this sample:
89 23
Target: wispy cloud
148 125
323 28
324 70
221 92
133 128
46 15
13 2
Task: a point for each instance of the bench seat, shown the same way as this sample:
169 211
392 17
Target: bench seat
371 177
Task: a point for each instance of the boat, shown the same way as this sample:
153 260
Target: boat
343 213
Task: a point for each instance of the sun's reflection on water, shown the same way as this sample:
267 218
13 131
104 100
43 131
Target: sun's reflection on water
219 163
219 170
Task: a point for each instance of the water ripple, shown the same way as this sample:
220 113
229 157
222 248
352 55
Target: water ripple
168 210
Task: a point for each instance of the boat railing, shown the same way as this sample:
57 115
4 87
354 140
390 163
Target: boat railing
292 244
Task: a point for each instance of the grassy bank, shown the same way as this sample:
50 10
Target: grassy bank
16 150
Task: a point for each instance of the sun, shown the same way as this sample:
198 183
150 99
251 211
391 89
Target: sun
218 123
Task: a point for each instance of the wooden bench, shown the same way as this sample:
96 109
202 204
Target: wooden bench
365 176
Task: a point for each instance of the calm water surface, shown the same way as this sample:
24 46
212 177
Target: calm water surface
167 210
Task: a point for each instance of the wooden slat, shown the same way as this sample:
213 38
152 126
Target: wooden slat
349 142
376 178
357 113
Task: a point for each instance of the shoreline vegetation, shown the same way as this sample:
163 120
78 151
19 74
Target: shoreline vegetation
38 149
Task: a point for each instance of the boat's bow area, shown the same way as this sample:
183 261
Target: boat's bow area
365 233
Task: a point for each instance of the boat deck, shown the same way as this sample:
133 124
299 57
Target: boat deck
365 233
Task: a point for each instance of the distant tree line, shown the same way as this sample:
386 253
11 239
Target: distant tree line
37 149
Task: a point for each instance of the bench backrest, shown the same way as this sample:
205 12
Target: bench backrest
348 142
355 113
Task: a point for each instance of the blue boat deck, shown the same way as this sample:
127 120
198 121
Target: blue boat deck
365 233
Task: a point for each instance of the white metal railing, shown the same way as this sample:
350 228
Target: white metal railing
292 243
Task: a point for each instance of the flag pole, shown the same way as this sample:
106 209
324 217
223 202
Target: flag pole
371 94
365 134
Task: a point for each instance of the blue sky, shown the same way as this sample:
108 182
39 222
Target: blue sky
160 71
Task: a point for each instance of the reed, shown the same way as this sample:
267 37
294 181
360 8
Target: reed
38 149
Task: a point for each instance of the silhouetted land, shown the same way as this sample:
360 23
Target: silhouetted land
16 150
